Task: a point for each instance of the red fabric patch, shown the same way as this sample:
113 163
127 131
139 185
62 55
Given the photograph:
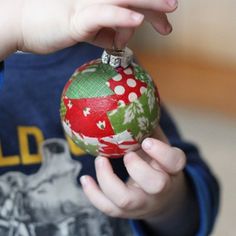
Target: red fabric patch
87 115
115 150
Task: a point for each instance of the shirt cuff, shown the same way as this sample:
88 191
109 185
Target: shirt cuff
1 72
204 202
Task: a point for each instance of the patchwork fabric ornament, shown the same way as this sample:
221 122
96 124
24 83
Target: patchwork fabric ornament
110 105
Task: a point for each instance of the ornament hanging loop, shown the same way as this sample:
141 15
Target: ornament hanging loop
117 57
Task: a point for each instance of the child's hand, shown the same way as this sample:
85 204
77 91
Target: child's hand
156 185
49 25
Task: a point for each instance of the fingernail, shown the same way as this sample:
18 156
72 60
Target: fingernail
147 143
137 16
99 162
84 180
172 3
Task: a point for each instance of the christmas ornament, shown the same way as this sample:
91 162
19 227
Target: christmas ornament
109 105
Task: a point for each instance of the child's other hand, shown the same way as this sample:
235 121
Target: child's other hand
155 188
49 25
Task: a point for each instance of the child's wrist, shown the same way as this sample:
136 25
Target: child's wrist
10 12
176 207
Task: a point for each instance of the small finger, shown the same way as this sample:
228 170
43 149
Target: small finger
151 180
104 38
122 37
158 20
161 24
97 197
112 186
170 158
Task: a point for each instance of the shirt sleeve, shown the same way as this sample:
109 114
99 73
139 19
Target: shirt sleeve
1 73
200 175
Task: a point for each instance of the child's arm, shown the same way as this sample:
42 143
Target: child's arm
49 25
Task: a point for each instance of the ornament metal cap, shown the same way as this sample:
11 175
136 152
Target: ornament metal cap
117 57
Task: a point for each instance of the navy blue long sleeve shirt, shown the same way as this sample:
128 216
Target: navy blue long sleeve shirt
40 193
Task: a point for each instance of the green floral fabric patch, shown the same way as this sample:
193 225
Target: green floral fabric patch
91 82
140 117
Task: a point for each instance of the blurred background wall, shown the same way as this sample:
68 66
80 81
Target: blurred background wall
195 71
204 28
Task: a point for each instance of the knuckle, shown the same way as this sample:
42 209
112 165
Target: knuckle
158 186
163 183
124 203
142 202
77 27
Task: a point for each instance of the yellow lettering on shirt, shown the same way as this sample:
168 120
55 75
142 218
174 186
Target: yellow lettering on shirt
24 132
8 160
25 156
